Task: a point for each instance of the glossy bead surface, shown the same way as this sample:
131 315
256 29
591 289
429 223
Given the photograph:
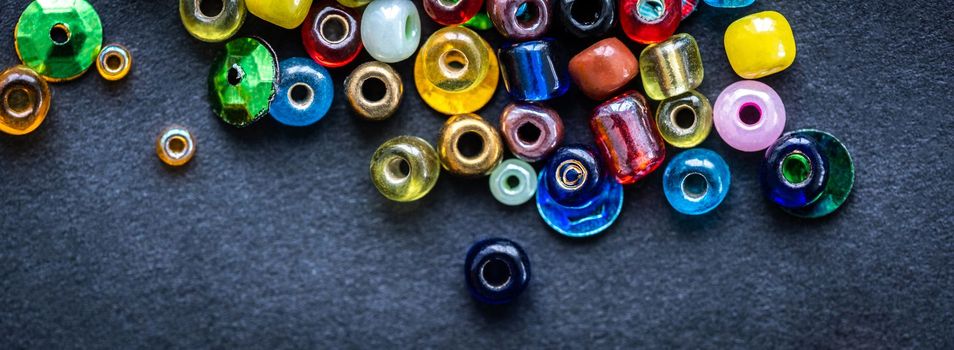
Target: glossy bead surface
603 68
59 39
513 182
688 7
520 19
331 35
685 120
587 18
696 181
480 21
496 270
405 168
114 62
671 67
287 14
242 81
749 115
469 146
760 44
175 146
729 3
451 12
456 71
214 28
531 131
574 195
649 21
374 107
809 173
390 30
353 3
24 100
534 70
305 93
627 137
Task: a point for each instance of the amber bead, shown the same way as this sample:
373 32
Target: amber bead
627 137
175 146
469 145
25 100
114 62
456 71
361 95
603 68
531 131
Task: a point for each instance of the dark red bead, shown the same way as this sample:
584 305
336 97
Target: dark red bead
331 35
627 137
532 131
450 13
650 21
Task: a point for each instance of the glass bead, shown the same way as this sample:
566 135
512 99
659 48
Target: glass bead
58 39
531 131
175 146
353 3
587 18
496 270
760 44
688 7
513 182
520 20
574 196
405 168
287 14
480 21
749 115
369 103
685 120
114 62
808 172
469 145
243 81
212 27
24 100
330 34
534 70
729 3
650 21
671 67
627 137
456 71
696 181
451 12
305 93
391 30
603 68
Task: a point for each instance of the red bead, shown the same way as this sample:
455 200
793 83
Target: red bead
331 35
650 21
627 137
443 12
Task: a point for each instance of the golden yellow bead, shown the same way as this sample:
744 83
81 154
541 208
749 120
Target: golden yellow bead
760 44
405 168
287 14
212 27
353 3
456 71
469 146
175 146
114 62
25 100
362 95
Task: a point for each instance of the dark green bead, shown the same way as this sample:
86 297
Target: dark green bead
243 81
59 39
480 21
841 176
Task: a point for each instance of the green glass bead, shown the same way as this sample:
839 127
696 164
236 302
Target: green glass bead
243 81
796 168
513 182
480 21
59 39
841 174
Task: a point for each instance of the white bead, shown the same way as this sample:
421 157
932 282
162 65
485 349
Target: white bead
391 30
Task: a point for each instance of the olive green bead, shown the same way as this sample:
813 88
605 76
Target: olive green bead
59 39
243 81
685 120
405 168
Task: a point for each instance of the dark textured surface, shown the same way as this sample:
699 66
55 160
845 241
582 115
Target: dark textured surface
274 237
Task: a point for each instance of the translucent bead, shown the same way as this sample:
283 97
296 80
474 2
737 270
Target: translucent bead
649 21
496 270
587 18
469 146
391 30
603 68
729 3
175 146
531 131
574 196
405 168
354 3
513 182
212 27
760 44
808 172
627 137
243 81
480 21
371 103
305 93
688 7
287 14
452 12
58 39
520 20
685 120
456 71
330 34
114 62
696 181
749 115
24 100
534 70
671 67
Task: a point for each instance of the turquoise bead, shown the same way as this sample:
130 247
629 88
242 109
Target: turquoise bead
513 182
696 181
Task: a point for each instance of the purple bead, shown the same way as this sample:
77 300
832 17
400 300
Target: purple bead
520 19
532 131
749 115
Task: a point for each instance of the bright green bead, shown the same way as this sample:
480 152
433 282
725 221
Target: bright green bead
243 81
77 31
513 182
480 21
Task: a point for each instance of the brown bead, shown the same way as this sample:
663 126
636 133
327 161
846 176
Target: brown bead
469 146
603 68
374 107
531 131
24 100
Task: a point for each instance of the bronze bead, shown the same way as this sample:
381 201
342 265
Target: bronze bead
485 140
374 107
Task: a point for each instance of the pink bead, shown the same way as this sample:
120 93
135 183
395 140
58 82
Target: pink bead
749 115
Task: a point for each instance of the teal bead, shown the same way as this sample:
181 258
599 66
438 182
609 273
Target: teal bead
513 182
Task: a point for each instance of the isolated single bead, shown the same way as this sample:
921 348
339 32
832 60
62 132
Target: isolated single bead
287 14
534 70
58 39
456 71
531 131
760 44
405 168
24 100
696 181
626 135
469 146
574 195
305 93
649 21
390 30
729 3
603 68
330 34
671 67
520 20
243 81
749 115
513 182
452 12
212 27
114 62
808 172
685 120
354 3
175 146
496 270
587 18
365 101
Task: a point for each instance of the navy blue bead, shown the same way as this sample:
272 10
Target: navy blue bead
305 93
497 270
534 70
584 165
780 190
575 197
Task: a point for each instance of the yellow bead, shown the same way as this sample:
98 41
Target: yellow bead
283 13
212 27
760 44
175 146
405 168
24 100
114 62
469 146
456 71
353 3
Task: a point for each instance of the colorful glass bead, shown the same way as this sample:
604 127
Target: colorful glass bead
696 181
451 12
685 120
354 3
587 18
534 70
497 270
480 21
212 27
114 62
304 94
391 30
749 115
760 44
808 172
24 100
287 14
405 168
532 131
603 68
671 67
330 34
520 20
243 81
469 146
456 71
649 21
574 196
729 3
688 7
627 137
175 146
513 182
371 103
58 39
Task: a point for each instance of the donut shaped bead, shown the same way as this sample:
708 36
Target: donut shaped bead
520 19
305 93
24 100
574 196
175 146
649 21
534 70
531 131
749 115
696 181
287 14
405 168
685 120
671 67
452 12
58 39
369 106
456 71
808 173
496 270
331 35
212 27
627 137
513 182
114 62
469 146
391 30
587 18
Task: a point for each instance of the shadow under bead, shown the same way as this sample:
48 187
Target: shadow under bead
405 168
212 27
587 18
496 270
469 146
25 100
331 35
363 98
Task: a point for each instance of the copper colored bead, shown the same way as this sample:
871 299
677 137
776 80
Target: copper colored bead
24 100
469 146
532 131
603 68
369 106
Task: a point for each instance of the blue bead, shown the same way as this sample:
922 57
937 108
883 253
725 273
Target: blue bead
575 197
696 181
497 270
729 3
304 95
783 192
534 70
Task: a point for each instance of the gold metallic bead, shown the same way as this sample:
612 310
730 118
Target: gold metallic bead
24 100
114 62
175 146
364 90
405 168
469 146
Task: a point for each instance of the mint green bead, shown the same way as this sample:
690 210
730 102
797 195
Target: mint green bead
513 182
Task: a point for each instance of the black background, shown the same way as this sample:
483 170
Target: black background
274 237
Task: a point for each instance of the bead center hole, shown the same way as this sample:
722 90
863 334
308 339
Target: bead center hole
796 168
528 133
18 101
695 186
373 89
454 63
410 27
60 34
528 14
114 63
683 117
470 145
398 169
512 183
571 174
210 8
495 273
586 12
449 2
750 114
300 95
334 28
236 74
176 146
650 10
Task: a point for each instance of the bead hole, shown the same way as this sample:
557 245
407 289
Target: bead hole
528 14
512 183
334 28
651 10
398 169
18 101
796 168
373 89
695 186
470 145
300 95
683 117
528 133
235 74
495 273
571 175
176 146
454 63
410 29
60 34
210 8
750 114
114 63
586 12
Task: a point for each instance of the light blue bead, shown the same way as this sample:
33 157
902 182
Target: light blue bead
513 182
729 3
696 181
304 93
390 30
581 201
